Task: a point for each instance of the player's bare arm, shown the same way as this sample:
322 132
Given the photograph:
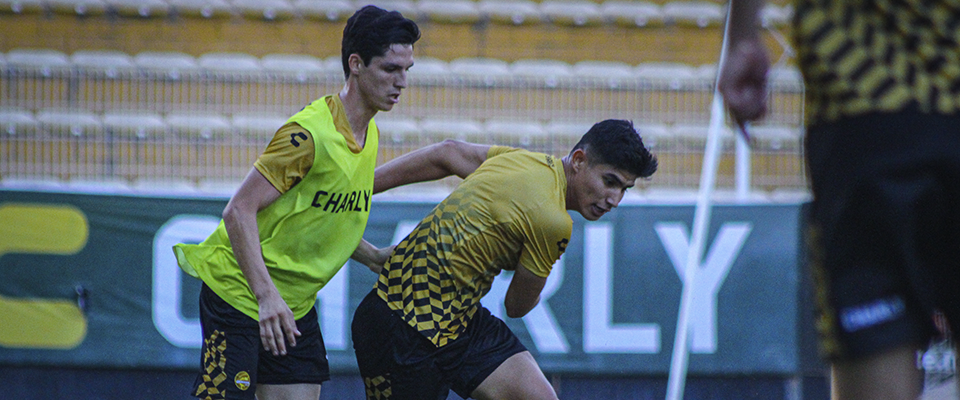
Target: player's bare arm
277 325
523 293
743 80
436 161
371 256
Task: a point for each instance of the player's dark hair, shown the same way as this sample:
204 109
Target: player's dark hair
617 143
371 30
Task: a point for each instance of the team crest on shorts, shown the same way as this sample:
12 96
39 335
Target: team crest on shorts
242 379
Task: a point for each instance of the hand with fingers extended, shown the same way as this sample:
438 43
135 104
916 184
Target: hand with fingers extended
278 328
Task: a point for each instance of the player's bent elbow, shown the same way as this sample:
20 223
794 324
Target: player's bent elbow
512 313
517 310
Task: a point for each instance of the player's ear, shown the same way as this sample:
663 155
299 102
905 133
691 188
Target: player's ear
355 63
578 159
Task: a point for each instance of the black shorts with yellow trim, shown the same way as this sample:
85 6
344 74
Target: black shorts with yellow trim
884 231
233 360
399 363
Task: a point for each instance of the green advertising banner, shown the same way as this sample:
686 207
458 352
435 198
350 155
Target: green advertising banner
90 280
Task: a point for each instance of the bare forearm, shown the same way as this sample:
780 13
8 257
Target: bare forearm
429 163
523 294
517 308
745 20
374 258
245 240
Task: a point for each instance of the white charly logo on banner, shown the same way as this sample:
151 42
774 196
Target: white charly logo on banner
601 333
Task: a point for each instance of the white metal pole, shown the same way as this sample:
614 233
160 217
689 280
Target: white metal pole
742 168
701 220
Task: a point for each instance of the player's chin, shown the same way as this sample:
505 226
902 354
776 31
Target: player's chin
590 214
387 106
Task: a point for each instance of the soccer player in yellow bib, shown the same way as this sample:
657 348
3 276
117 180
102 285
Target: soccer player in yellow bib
294 221
422 330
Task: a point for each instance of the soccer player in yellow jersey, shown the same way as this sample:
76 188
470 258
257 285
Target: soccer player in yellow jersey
294 221
422 330
882 114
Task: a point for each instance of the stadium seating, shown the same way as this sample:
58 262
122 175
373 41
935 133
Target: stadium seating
22 6
139 8
507 12
324 10
16 121
77 7
207 9
632 13
194 88
449 11
572 12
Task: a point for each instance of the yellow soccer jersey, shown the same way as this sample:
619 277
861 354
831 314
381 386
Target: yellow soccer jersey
308 232
880 55
510 211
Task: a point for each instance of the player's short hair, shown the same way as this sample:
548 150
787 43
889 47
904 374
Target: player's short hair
371 30
617 143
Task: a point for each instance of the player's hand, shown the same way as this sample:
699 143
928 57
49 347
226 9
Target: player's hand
277 325
379 257
743 81
371 256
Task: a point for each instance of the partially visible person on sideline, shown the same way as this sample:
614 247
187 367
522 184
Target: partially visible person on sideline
422 330
294 221
883 151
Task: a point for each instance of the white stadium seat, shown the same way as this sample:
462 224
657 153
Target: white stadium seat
270 10
140 8
202 8
198 125
632 13
450 11
329 10
229 62
693 13
173 64
507 12
572 12
134 124
17 121
70 122
257 126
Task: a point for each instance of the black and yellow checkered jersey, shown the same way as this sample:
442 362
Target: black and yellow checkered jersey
882 55
510 211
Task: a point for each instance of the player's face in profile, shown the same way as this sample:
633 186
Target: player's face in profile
385 77
599 188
